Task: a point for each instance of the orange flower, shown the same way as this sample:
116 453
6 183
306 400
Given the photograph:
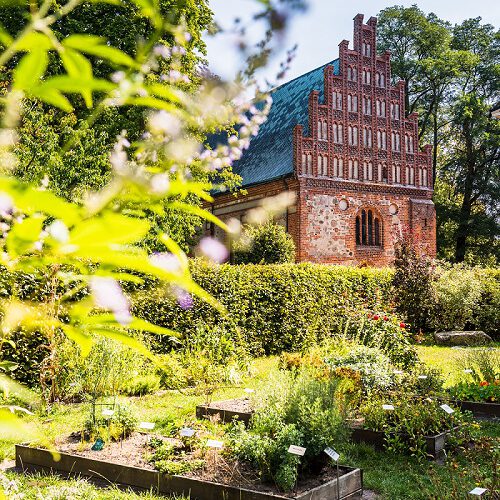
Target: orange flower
484 383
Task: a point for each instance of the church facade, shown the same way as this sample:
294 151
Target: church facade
338 137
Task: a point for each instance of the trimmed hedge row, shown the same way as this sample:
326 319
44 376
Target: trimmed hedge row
275 308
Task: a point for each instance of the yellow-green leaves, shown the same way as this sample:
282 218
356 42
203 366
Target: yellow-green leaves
30 69
22 237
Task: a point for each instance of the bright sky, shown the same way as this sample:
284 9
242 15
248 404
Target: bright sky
319 30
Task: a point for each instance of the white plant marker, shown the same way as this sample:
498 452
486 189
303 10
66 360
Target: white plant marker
187 432
107 412
467 370
332 453
398 372
147 425
296 450
388 407
249 391
213 443
447 409
478 491
422 377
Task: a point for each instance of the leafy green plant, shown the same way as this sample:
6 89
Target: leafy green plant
117 426
292 409
142 384
264 244
413 279
470 391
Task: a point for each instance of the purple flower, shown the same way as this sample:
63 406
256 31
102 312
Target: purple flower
107 294
213 249
184 299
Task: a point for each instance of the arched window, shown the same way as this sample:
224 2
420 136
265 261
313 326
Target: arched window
368 229
322 130
353 169
337 100
307 163
367 105
337 133
338 167
323 165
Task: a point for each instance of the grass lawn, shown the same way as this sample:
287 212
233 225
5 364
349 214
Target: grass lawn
391 476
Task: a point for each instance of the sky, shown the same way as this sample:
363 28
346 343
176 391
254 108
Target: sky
319 30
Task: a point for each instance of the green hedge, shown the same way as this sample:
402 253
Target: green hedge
276 308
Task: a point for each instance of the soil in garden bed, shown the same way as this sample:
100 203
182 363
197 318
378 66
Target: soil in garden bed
240 405
218 467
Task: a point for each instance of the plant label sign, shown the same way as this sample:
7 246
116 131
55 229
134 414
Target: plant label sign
447 409
478 491
213 443
332 453
187 432
147 425
249 391
398 372
107 412
467 370
422 377
296 450
388 407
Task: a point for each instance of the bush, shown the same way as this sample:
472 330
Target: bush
293 408
142 385
414 294
265 244
468 298
374 367
273 308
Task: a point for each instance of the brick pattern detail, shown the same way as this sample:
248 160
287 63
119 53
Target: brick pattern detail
400 175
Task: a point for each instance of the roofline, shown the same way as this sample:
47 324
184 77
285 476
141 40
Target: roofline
304 74
253 184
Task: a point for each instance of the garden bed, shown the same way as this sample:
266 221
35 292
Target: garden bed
479 409
435 445
318 487
227 411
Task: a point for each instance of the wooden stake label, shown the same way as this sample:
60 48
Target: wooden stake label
296 450
147 425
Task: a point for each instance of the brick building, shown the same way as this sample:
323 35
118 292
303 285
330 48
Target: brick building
338 137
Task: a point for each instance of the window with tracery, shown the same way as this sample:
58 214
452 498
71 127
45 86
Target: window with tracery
368 229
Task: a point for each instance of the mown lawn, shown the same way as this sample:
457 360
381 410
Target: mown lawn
391 476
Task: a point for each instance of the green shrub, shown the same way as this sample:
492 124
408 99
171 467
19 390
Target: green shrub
383 331
141 385
264 244
272 308
413 279
118 426
374 367
292 408
468 299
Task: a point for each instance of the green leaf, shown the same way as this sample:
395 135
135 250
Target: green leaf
53 97
135 324
164 91
23 235
34 40
200 212
78 66
151 102
110 229
82 339
33 200
75 85
30 69
8 366
96 46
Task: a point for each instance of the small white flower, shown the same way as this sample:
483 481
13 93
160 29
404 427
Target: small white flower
162 51
107 294
6 203
58 231
166 261
160 183
165 122
213 249
117 76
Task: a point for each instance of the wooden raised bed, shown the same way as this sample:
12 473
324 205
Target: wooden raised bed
435 445
479 409
37 459
224 413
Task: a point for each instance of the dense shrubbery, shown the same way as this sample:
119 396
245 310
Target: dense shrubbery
275 308
468 298
265 244
294 408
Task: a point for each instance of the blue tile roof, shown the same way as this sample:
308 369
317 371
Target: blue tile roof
270 155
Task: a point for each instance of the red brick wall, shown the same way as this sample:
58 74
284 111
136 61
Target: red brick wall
321 230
